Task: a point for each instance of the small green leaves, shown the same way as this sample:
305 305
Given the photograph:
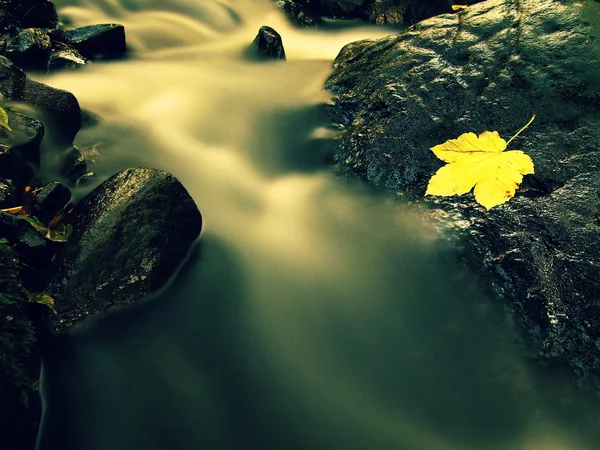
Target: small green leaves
42 299
4 119
59 234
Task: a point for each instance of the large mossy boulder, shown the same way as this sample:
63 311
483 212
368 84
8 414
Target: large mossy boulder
129 236
492 67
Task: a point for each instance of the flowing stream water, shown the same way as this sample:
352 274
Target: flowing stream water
313 314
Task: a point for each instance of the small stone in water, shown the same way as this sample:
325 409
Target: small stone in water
268 43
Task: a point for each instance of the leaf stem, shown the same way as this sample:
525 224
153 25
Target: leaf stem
519 132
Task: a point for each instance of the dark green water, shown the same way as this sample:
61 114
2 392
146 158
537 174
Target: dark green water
312 314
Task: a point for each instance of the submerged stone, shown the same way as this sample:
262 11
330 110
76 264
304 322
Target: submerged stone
67 58
86 179
129 236
492 67
73 163
268 44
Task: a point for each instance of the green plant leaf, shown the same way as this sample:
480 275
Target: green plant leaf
42 299
4 119
60 234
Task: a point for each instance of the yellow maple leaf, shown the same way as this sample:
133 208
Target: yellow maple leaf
480 161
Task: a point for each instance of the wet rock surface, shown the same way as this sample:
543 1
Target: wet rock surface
73 164
299 14
13 168
30 48
66 58
50 201
35 249
30 38
491 68
92 41
342 9
268 44
28 41
129 236
383 12
8 194
60 107
25 136
30 13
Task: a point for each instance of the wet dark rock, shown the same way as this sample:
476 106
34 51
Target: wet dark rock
13 167
12 79
20 358
340 9
73 164
385 12
30 48
268 44
89 119
408 11
86 179
31 13
25 138
67 58
491 68
8 22
29 243
76 164
129 236
92 155
8 161
59 107
300 14
50 201
8 194
19 148
93 41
